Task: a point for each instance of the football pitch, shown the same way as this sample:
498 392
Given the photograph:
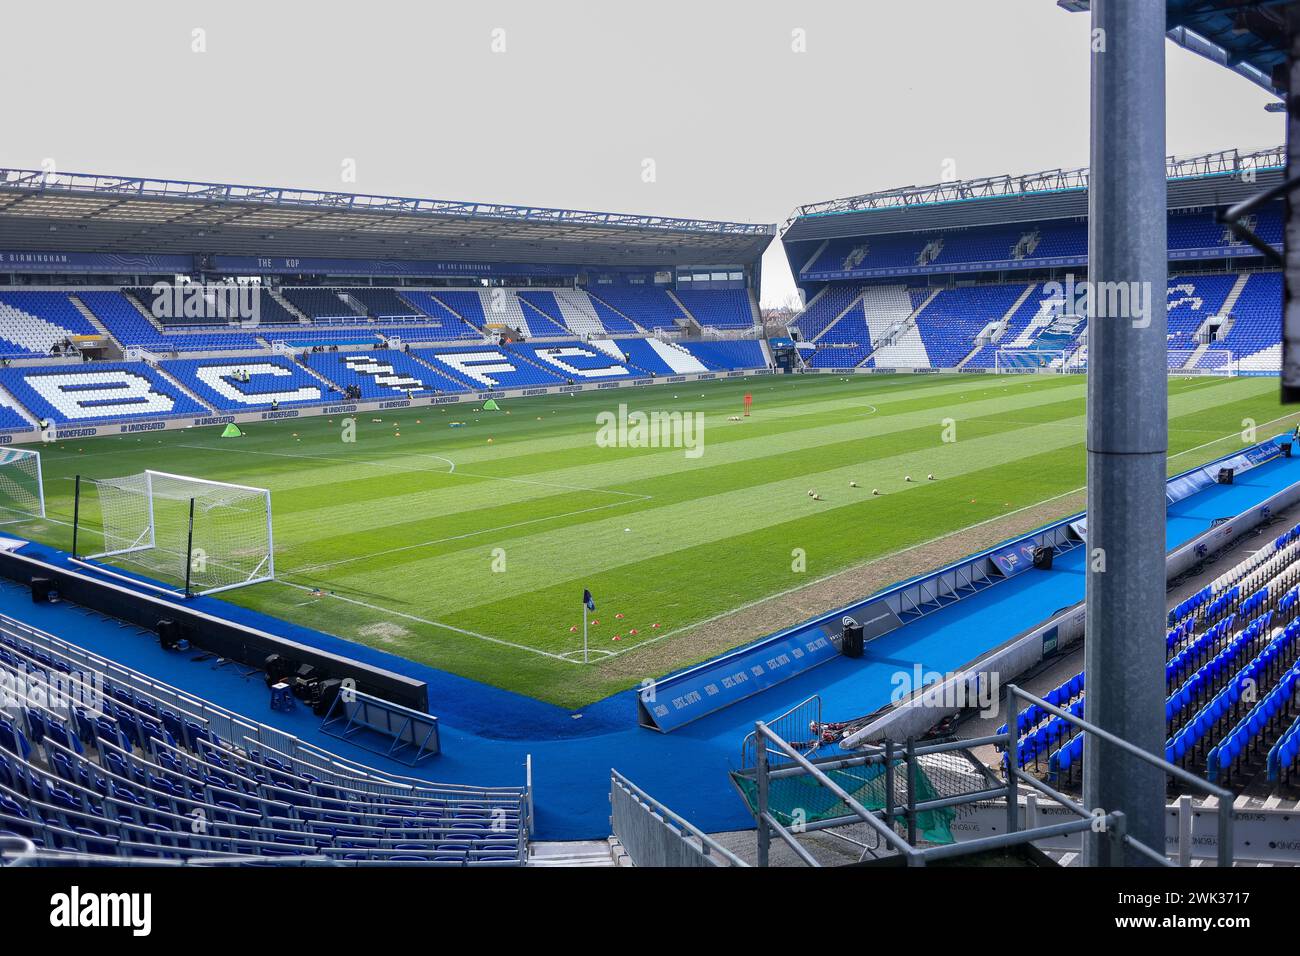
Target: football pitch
468 547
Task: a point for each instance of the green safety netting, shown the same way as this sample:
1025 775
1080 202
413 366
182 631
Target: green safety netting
232 431
801 799
491 405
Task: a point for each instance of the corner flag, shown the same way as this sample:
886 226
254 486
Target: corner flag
588 600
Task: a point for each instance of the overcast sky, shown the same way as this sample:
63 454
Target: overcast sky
738 122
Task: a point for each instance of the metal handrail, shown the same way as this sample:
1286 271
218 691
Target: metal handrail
709 844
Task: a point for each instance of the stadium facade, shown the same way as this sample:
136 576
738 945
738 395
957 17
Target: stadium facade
981 274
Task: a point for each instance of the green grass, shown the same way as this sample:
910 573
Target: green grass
405 546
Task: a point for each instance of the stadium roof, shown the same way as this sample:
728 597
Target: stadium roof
1210 179
1246 36
79 212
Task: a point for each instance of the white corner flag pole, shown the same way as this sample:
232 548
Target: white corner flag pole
584 632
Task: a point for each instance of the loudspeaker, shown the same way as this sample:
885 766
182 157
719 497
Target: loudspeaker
326 692
277 668
304 682
851 642
44 591
1225 476
1043 558
1286 449
169 634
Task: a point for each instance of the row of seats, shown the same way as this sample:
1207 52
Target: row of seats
1052 239
1040 329
1210 661
97 759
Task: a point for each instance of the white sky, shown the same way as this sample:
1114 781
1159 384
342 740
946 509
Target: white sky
739 126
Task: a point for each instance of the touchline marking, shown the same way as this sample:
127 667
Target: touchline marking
422 620
826 577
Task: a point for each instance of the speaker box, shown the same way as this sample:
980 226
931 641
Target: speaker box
277 668
44 591
169 634
1286 449
1225 476
326 692
851 643
1043 558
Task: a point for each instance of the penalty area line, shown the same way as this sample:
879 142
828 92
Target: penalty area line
422 620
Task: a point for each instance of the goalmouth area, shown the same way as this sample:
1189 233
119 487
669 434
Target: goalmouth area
468 548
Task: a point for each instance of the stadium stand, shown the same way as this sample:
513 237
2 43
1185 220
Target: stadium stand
320 304
721 309
658 357
386 304
133 330
271 380
485 366
728 355
97 392
1232 667
574 361
383 373
32 323
443 324
650 307
97 758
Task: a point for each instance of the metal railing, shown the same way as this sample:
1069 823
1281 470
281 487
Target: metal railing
654 835
1016 776
883 820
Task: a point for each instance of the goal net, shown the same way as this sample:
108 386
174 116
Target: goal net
1029 361
193 535
22 493
1202 361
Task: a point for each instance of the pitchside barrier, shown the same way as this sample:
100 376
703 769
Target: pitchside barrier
678 699
914 715
68 430
224 638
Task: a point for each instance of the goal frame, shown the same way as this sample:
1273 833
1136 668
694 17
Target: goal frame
1056 361
147 540
1229 369
10 456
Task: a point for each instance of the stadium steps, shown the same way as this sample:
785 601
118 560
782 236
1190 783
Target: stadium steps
143 309
317 375
288 306
1195 357
456 312
854 302
635 323
546 323
96 324
610 348
813 258
1238 287
181 387
1003 323
9 399
909 325
570 854
691 320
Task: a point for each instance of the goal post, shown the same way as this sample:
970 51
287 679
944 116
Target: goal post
1028 361
1202 361
192 535
22 490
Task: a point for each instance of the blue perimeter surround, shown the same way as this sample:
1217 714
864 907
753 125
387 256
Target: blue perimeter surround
691 693
487 733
